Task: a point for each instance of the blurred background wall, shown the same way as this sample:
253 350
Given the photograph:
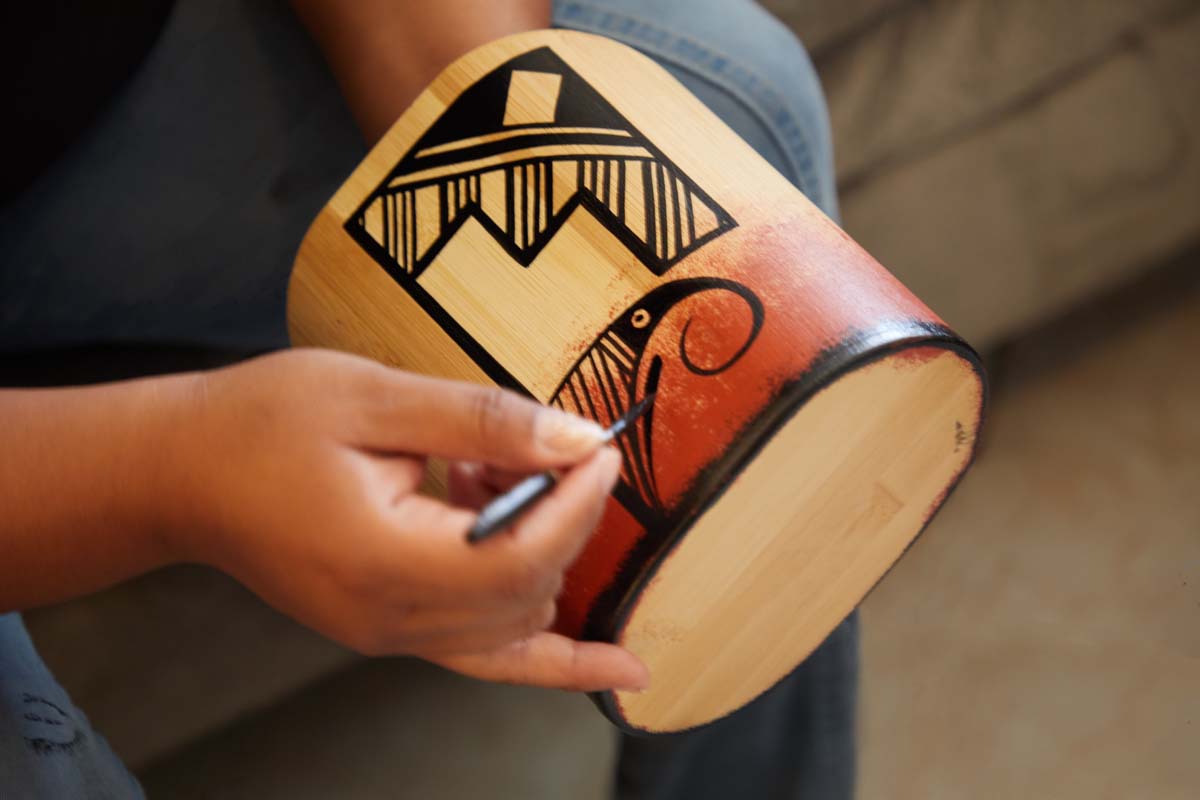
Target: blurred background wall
1031 168
1042 639
1009 159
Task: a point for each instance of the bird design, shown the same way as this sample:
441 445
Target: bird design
625 363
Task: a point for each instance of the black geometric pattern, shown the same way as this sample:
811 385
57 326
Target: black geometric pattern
617 371
522 180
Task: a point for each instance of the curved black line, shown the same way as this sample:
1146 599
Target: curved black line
756 308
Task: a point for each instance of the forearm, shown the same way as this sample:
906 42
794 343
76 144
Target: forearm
84 475
385 52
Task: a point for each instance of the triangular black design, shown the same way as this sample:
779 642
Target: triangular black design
522 180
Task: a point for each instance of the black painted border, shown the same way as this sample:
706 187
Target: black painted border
609 614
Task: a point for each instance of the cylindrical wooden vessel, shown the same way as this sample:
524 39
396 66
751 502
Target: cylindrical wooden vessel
558 215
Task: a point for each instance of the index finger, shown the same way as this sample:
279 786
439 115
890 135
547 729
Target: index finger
414 413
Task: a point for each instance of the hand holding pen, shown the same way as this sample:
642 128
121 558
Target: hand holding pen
508 507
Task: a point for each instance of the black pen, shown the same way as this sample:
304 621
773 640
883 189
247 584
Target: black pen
504 510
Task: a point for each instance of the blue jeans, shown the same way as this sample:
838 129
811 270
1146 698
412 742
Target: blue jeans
174 221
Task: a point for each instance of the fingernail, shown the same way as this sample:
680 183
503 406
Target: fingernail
641 683
567 434
637 687
609 477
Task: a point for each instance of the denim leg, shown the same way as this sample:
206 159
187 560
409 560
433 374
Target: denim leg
795 741
798 739
743 63
47 747
175 218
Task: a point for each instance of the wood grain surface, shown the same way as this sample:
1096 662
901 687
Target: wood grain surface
557 215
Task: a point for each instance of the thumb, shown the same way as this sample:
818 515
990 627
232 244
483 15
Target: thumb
555 662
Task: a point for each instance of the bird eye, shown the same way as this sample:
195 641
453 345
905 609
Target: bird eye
640 318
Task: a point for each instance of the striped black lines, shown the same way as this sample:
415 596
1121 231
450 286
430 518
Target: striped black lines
624 365
549 169
621 194
675 211
510 176
620 351
412 223
654 225
600 388
521 182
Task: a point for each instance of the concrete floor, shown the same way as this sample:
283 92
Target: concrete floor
1041 640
